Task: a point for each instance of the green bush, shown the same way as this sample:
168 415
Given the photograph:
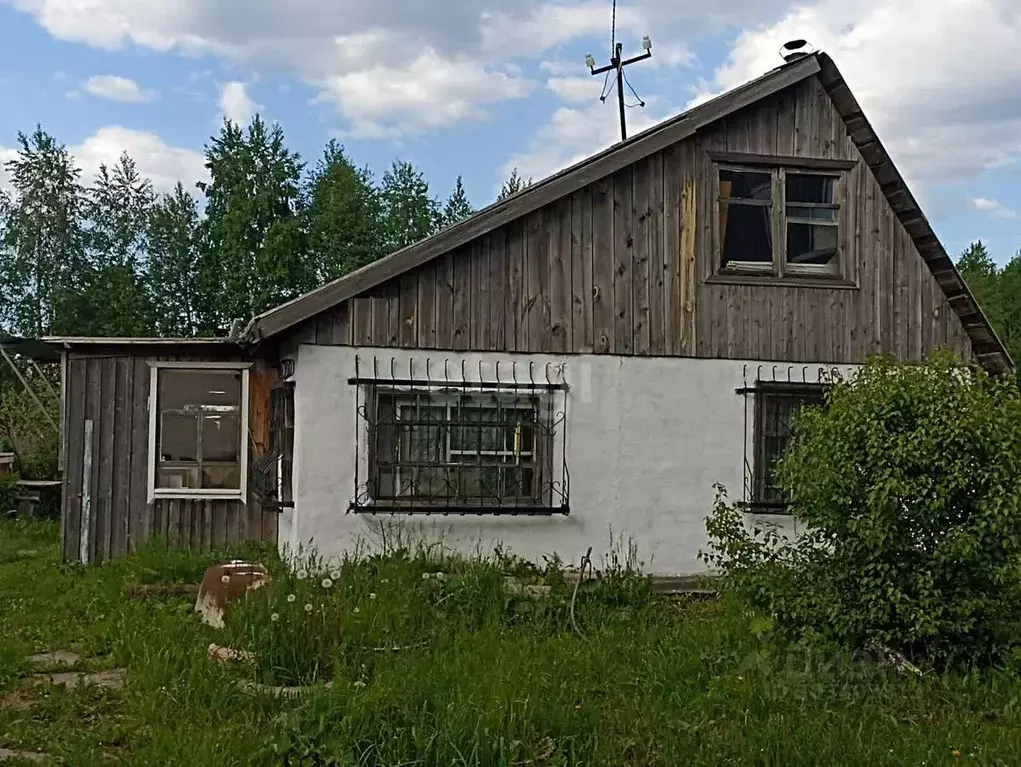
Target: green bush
908 483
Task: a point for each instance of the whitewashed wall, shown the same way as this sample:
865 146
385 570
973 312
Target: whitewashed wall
646 440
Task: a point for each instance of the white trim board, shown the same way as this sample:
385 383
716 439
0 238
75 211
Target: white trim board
241 494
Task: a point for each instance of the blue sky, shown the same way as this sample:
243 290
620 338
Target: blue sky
475 88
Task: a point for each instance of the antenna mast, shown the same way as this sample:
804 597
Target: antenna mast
617 63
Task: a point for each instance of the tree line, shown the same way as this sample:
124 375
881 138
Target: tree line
113 257
997 290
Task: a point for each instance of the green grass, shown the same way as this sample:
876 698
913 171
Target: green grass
488 679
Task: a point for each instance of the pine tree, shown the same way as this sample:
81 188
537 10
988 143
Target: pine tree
172 275
514 184
409 213
343 216
252 254
114 301
42 253
458 207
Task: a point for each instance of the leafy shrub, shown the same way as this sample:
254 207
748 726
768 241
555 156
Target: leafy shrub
909 484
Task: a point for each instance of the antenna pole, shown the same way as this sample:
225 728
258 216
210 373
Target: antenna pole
620 91
617 63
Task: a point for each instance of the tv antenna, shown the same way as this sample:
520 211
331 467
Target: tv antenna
617 64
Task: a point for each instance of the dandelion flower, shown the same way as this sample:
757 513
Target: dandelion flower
327 583
356 611
426 576
275 617
439 576
302 575
335 575
224 578
308 608
291 597
372 596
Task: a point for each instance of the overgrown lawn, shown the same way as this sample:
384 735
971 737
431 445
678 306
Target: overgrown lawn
482 677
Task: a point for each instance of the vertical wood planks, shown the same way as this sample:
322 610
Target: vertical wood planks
361 312
462 299
74 429
673 171
581 270
407 332
93 409
658 342
560 277
479 313
686 256
621 266
537 282
392 302
103 460
516 328
602 266
121 493
623 261
498 290
426 315
640 217
445 301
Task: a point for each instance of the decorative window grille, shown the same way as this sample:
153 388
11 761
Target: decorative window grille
774 403
272 473
433 445
774 410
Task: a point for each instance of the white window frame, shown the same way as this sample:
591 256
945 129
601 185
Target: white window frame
240 494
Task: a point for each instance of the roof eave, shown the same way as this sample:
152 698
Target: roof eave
987 347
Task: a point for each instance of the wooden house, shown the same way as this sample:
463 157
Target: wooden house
584 359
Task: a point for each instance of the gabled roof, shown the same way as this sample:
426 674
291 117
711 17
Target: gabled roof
987 347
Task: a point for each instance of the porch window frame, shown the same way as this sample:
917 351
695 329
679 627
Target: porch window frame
236 494
779 270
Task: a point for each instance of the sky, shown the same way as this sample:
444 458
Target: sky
478 87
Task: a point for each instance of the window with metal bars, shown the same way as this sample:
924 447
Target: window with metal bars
272 472
775 407
465 449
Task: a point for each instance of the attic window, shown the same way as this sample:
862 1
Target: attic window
778 221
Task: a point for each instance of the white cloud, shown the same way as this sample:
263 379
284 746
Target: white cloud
235 103
994 208
937 78
116 88
576 90
349 47
6 155
164 165
431 91
573 134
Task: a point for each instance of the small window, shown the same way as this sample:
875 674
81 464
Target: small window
281 441
480 449
197 421
802 240
775 409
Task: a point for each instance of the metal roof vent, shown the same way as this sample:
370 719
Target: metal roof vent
795 49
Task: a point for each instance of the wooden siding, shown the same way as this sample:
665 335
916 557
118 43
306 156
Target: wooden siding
111 388
625 266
